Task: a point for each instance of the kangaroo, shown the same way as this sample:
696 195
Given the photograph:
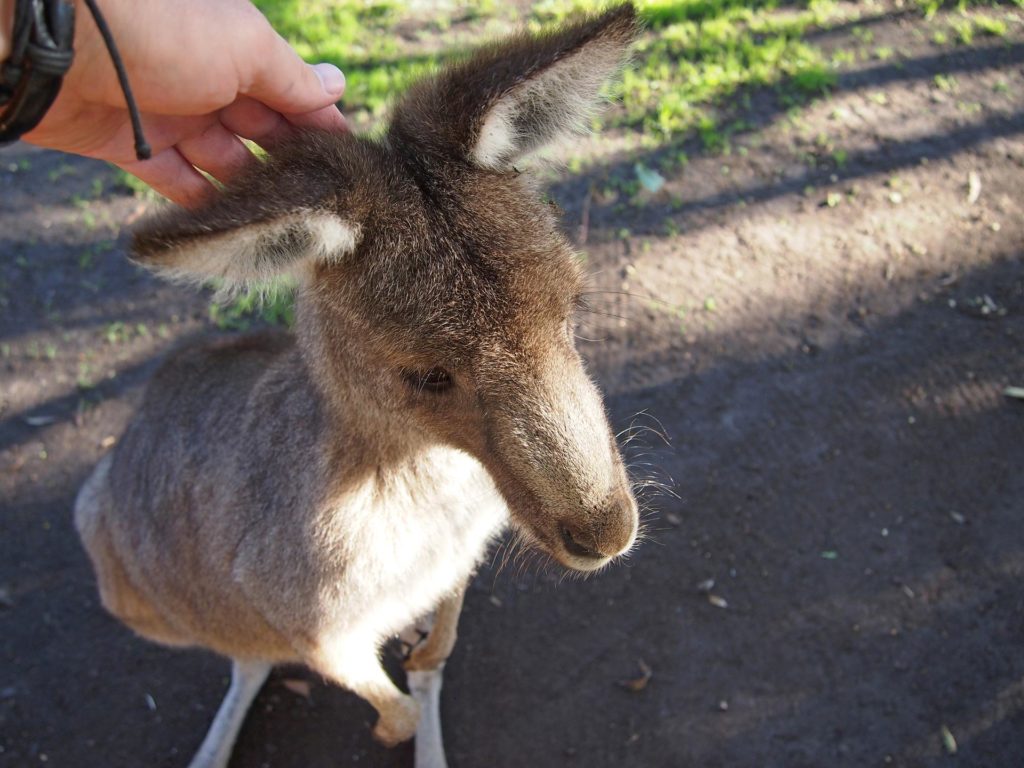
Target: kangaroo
283 498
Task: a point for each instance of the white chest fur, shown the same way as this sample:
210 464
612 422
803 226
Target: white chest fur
409 539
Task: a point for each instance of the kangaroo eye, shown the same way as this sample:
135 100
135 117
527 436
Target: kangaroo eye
435 380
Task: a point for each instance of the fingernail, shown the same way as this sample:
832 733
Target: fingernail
332 79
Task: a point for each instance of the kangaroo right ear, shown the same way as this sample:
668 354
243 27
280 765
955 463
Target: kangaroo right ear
275 217
511 98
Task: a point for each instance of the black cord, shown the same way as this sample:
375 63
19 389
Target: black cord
142 149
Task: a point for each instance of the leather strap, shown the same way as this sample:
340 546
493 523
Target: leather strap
41 53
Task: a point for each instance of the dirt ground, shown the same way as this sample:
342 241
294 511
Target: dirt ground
827 344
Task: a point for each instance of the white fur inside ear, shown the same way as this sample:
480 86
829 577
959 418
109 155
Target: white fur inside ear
559 101
259 253
497 139
333 237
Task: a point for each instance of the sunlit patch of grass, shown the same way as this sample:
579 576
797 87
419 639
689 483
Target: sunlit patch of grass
693 58
696 60
989 26
931 7
970 19
696 53
969 26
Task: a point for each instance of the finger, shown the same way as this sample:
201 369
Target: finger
255 121
285 83
217 151
328 119
171 175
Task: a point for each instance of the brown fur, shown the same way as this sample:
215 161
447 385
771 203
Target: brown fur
292 498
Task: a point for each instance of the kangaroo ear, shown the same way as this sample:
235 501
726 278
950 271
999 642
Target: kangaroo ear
283 213
511 98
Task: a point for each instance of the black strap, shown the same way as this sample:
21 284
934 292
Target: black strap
142 150
41 54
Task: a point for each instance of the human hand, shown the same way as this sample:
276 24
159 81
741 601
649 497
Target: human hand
204 73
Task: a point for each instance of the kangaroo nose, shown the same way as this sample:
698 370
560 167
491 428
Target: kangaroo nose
603 535
579 545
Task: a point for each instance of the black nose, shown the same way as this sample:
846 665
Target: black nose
574 545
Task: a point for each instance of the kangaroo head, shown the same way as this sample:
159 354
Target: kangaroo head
435 287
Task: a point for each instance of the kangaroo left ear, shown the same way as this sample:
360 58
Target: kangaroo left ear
510 99
561 97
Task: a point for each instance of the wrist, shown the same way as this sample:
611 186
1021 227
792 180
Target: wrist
32 72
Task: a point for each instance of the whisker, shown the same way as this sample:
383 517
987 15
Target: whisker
603 314
631 295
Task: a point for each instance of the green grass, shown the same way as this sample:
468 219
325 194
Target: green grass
696 53
931 7
695 57
695 61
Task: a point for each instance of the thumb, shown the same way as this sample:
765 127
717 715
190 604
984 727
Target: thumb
287 84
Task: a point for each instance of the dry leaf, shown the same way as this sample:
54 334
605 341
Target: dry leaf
637 684
973 187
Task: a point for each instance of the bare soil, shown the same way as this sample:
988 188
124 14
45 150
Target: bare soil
826 343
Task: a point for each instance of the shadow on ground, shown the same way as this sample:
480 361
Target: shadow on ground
848 473
857 509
